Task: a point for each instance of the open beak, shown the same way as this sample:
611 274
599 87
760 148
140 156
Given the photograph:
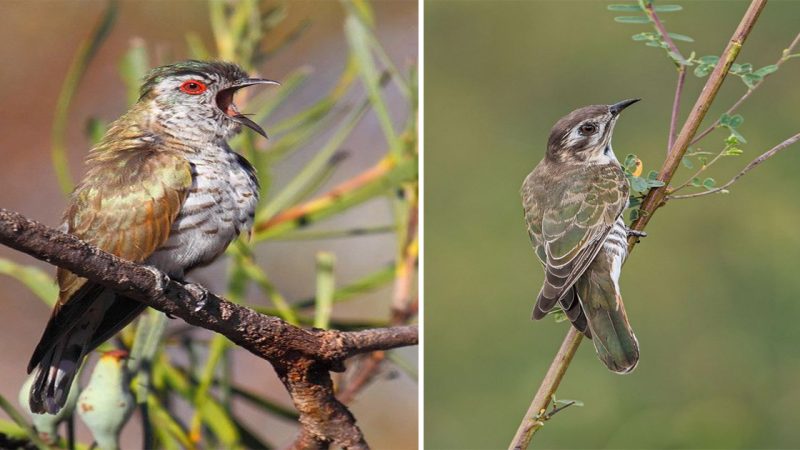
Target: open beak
617 108
225 103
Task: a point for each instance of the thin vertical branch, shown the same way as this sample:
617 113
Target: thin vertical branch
676 107
653 201
679 60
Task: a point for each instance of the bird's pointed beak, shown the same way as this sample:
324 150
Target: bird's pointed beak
244 82
617 108
225 103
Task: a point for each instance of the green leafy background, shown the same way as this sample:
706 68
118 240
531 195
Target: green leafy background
712 292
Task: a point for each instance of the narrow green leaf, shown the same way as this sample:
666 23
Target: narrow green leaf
766 70
634 214
737 135
358 39
228 435
680 37
687 162
667 8
95 130
632 19
19 419
646 36
133 67
326 286
313 168
147 342
165 421
624 8
83 56
709 59
35 279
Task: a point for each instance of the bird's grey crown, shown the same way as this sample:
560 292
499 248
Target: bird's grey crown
202 69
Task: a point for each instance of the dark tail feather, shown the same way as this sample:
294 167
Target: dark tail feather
612 336
54 376
65 341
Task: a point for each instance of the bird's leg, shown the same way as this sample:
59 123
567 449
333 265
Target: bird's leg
637 233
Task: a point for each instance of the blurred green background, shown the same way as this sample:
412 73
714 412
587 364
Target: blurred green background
712 292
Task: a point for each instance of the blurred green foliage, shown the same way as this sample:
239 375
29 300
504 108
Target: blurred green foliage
240 33
710 293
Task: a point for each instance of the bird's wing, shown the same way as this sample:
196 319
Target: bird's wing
125 206
573 231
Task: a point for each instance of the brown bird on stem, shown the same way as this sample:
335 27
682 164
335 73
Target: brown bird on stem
573 202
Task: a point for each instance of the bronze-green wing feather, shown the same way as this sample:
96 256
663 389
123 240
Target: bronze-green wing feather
574 223
126 206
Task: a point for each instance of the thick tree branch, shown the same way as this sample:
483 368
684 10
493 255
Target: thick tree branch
302 358
654 200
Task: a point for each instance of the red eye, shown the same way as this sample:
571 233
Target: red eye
193 87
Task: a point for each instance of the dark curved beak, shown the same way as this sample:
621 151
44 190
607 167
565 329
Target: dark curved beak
617 108
244 82
225 102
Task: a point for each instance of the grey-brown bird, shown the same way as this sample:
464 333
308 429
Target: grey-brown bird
573 202
162 188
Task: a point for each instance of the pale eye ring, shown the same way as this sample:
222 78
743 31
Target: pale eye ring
587 129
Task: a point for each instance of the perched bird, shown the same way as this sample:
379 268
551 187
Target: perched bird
107 402
573 202
162 188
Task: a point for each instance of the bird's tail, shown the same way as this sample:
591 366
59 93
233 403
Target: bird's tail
611 334
66 340
55 373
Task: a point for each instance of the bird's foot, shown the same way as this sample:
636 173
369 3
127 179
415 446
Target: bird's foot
637 233
199 293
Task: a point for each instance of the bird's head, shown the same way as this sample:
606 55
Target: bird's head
584 135
197 97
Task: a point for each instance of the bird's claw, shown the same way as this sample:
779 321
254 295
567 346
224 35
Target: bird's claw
199 293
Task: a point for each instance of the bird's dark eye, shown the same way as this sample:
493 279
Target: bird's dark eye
587 129
193 87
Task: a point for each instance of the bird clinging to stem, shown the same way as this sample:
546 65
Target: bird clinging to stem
573 202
